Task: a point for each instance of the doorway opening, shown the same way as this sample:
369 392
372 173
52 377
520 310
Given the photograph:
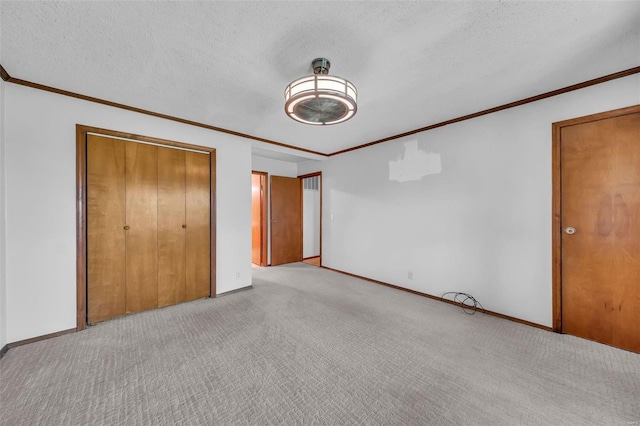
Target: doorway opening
312 218
286 215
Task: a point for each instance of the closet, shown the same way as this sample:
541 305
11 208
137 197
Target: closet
148 219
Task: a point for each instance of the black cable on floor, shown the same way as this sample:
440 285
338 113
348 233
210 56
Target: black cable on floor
467 302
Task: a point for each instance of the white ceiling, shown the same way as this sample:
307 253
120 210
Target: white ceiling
226 64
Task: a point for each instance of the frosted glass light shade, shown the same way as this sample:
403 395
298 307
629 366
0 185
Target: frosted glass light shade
320 99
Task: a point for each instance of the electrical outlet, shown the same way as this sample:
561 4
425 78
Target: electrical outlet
410 275
237 275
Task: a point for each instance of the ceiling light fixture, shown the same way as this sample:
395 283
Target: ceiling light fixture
320 99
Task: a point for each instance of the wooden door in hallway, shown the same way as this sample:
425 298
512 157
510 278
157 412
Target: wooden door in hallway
286 220
259 218
599 229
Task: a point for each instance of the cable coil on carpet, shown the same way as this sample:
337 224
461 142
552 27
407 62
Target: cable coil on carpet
467 302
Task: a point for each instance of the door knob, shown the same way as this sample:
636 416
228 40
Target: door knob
126 228
184 226
570 230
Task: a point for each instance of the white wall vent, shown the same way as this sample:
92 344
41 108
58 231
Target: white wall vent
311 183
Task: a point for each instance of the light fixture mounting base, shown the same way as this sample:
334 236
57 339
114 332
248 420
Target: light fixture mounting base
321 66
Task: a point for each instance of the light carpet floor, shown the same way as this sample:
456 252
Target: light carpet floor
310 346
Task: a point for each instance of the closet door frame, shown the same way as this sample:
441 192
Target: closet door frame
81 208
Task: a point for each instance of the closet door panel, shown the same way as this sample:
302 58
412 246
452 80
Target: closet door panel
142 221
105 233
171 222
198 225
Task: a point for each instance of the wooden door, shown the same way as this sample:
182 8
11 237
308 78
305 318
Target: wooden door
135 247
141 174
171 226
258 218
105 228
600 199
286 220
198 222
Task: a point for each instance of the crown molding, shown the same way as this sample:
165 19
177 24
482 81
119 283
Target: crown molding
567 89
6 77
4 74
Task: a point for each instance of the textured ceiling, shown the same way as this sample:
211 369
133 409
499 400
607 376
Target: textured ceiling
226 64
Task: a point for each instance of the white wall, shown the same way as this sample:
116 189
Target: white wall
481 226
3 288
273 168
39 132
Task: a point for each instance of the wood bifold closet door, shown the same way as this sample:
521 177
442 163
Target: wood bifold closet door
148 219
600 243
